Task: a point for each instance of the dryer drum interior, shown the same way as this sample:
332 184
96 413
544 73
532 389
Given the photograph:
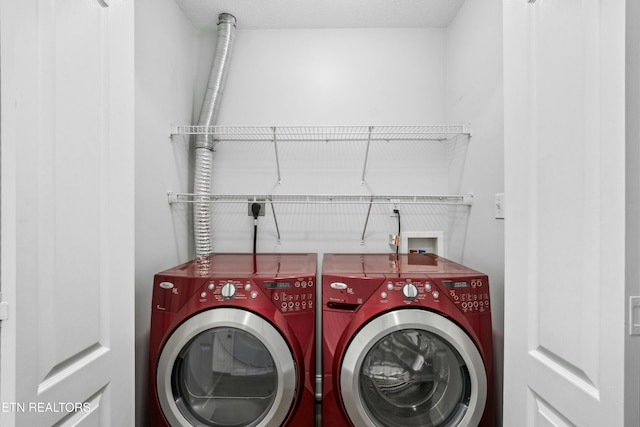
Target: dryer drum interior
413 368
224 377
224 373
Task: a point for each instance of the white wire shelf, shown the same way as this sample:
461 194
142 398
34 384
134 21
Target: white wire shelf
322 199
326 133
465 200
277 134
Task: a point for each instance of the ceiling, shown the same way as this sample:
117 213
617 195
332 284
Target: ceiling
263 14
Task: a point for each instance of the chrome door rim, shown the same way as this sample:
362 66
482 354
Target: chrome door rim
401 319
234 318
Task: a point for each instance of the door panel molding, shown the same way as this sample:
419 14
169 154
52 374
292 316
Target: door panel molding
72 365
566 371
547 414
91 404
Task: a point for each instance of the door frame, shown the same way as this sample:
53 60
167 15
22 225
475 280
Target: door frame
632 253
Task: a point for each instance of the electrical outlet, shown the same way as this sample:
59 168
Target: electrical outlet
262 207
499 205
394 205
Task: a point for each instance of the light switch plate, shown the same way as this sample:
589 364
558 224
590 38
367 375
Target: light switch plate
499 205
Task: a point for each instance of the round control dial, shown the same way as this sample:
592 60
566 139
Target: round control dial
228 291
410 291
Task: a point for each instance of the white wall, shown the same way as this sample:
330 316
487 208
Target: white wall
335 77
165 71
311 77
329 77
474 94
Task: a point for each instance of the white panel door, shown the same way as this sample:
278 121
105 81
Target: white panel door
67 212
565 218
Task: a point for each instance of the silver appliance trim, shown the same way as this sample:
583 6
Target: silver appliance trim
401 319
233 318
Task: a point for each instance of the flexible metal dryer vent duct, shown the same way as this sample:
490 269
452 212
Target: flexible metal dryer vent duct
204 143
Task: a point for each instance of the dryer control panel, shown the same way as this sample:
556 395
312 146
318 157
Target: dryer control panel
471 294
288 295
292 295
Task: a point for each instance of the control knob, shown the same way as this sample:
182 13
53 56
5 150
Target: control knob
228 291
410 291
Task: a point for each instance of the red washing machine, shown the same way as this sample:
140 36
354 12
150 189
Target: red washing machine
233 342
406 341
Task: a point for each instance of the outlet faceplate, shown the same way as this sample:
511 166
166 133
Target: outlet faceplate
262 207
499 205
394 204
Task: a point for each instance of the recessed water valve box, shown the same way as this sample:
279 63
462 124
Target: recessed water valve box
422 241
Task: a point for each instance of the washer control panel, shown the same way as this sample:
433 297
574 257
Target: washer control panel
471 294
411 290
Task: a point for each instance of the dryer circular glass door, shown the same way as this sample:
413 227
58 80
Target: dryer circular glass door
413 368
226 367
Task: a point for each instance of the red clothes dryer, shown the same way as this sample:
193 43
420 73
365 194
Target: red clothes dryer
406 341
233 342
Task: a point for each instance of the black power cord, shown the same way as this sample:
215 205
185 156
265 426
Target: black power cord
255 210
397 212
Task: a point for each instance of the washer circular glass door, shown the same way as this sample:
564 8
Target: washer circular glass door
413 368
226 367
